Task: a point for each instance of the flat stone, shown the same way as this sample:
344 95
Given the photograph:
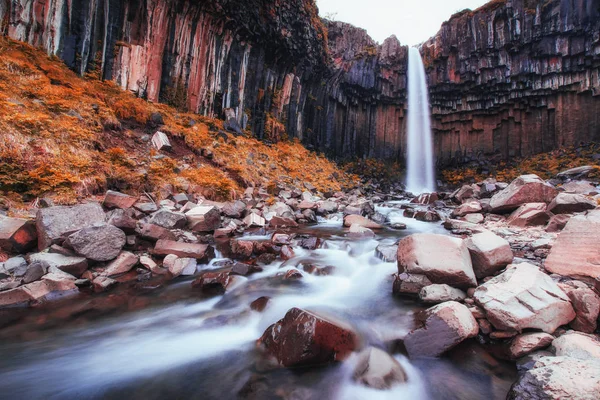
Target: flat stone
576 252
200 252
445 326
359 220
527 343
54 224
567 203
524 297
75 266
122 264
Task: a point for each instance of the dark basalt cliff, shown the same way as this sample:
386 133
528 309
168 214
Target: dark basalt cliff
510 79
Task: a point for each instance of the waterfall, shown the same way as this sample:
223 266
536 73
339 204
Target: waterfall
420 175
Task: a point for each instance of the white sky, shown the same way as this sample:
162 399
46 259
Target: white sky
412 21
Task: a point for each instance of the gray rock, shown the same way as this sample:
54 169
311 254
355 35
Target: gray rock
577 345
75 266
55 224
98 243
168 219
440 293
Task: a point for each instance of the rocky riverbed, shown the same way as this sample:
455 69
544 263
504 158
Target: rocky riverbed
487 292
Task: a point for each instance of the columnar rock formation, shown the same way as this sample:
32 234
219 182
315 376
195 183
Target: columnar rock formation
513 78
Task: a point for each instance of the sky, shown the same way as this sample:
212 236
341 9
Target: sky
412 21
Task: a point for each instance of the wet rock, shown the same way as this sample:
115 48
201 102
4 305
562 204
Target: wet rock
201 252
576 252
527 343
445 326
398 226
98 243
17 235
524 297
213 283
203 219
350 220
242 269
292 275
387 253
557 223
287 253
260 304
442 259
103 284
437 293
425 198
241 249
168 219
531 214
567 203
152 266
122 264
54 224
311 243
558 378
409 284
154 232
524 189
577 345
357 231
75 266
114 199
377 369
303 338
489 253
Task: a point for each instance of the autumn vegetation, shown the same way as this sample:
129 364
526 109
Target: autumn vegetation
69 137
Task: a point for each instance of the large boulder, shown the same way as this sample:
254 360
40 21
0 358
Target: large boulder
377 369
567 203
558 378
98 243
303 338
17 235
203 218
524 189
530 214
524 297
489 253
202 252
359 220
576 252
442 259
445 326
54 224
577 345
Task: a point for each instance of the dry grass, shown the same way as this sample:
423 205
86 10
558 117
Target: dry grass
71 137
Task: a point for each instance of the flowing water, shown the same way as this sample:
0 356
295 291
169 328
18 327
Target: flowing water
420 169
166 342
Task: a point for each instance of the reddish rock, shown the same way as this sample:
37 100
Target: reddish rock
181 266
154 232
442 259
287 253
576 252
54 224
489 253
260 304
203 219
524 189
567 203
587 307
283 222
437 293
526 343
235 209
409 284
557 223
241 249
114 199
244 269
103 284
427 216
75 266
531 214
152 266
17 235
303 338
350 220
122 264
524 297
198 251
470 207
426 198
18 297
445 326
213 283
310 243
293 275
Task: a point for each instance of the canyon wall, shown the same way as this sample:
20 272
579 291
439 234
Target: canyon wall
513 78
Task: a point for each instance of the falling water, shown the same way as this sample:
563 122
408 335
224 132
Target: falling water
420 175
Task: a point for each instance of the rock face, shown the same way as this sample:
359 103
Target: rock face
524 189
489 253
56 223
442 259
557 378
576 252
303 338
445 326
509 79
524 297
